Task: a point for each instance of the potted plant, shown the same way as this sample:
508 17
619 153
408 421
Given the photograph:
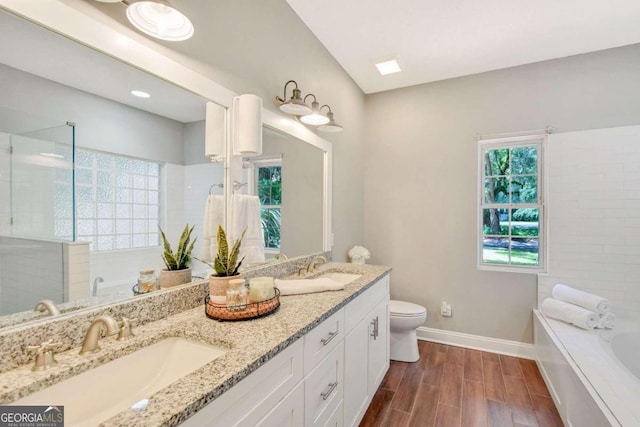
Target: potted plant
178 270
225 266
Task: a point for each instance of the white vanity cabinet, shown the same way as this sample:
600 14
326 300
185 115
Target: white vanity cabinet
366 349
325 379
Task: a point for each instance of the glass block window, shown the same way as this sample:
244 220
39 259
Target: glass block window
117 201
511 205
269 190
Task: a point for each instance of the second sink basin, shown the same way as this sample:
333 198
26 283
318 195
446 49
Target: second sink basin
100 393
343 278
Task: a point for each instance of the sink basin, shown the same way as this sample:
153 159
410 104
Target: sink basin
343 278
100 393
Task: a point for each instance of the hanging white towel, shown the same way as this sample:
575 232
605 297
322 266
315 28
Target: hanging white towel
607 321
213 216
307 286
586 300
569 313
246 215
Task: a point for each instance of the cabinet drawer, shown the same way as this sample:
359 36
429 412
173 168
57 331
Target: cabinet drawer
323 388
322 339
357 309
289 412
336 419
251 399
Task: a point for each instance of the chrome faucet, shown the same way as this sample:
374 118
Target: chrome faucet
314 263
48 306
90 343
96 282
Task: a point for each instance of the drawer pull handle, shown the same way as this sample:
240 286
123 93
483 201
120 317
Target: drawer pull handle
375 331
331 336
332 386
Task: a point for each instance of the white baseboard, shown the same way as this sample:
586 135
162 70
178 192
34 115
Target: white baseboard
477 342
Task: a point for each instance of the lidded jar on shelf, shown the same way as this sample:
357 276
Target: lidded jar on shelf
236 295
147 281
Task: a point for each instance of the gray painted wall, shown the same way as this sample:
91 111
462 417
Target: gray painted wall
101 124
420 176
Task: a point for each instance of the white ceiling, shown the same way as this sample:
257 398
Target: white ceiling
33 49
442 39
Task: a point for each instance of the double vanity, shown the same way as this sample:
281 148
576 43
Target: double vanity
317 361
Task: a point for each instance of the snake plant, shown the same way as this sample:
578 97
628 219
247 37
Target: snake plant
181 259
226 262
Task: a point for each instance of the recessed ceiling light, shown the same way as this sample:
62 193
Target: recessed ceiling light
388 67
140 94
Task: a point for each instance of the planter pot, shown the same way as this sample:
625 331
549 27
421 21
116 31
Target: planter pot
218 287
357 260
170 278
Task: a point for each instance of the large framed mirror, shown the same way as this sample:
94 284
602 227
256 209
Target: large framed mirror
185 177
89 172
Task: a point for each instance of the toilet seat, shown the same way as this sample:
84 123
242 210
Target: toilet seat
405 309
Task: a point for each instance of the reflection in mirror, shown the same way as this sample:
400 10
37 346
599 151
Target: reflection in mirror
83 233
288 180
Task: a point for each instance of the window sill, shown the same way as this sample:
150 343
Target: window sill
511 269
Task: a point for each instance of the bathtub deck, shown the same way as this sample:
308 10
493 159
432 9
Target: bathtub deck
453 386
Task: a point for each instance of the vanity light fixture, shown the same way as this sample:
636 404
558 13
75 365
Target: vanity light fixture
315 118
313 115
295 105
159 19
140 94
331 125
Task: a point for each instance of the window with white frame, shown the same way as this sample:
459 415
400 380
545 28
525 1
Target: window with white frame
268 188
117 201
511 210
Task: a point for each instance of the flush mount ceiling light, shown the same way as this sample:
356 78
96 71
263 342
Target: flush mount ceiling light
295 105
313 115
315 118
140 94
159 19
388 67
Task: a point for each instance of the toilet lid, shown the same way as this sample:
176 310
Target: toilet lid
406 309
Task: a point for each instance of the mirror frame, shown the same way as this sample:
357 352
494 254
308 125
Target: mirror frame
72 19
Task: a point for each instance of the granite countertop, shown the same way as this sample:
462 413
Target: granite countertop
251 344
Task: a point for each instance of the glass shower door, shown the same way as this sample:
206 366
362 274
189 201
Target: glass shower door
42 184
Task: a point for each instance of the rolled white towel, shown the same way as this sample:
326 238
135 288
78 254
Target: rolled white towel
595 303
578 316
307 286
607 321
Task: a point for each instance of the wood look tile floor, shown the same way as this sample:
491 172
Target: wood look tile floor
454 386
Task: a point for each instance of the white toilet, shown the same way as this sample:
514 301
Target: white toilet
404 320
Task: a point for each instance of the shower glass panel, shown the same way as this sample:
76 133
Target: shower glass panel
36 209
42 183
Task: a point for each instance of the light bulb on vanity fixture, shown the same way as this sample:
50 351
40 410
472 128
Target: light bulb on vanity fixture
315 118
311 116
157 18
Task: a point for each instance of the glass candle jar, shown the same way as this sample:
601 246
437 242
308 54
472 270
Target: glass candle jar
261 289
147 281
236 295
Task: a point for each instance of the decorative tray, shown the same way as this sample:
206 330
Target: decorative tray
224 313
